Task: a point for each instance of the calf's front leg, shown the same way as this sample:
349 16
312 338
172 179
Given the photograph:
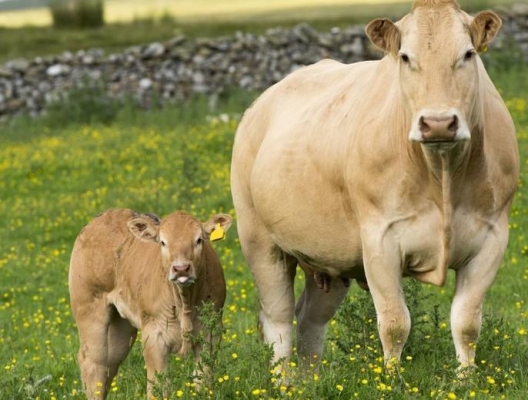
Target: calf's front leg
156 354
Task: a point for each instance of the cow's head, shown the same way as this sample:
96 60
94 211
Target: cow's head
435 49
181 239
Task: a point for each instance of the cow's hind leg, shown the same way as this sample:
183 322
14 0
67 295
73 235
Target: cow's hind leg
274 273
314 309
92 322
121 338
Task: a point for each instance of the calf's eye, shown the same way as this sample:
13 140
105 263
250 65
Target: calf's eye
162 243
199 241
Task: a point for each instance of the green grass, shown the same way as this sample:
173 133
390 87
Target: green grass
164 24
54 180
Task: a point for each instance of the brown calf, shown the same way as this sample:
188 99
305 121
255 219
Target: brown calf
131 271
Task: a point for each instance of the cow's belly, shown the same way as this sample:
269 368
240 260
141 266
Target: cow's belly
309 222
421 250
335 251
310 216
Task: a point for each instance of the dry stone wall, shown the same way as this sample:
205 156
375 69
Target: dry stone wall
174 70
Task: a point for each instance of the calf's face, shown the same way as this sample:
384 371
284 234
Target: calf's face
181 239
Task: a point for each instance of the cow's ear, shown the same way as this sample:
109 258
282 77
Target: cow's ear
484 28
385 35
217 225
145 228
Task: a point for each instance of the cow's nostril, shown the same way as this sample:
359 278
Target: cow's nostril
453 126
423 125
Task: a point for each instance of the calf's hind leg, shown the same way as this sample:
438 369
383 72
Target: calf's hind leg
93 320
121 338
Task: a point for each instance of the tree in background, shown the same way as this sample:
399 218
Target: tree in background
77 13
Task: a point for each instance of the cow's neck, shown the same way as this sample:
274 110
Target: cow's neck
447 207
452 162
444 166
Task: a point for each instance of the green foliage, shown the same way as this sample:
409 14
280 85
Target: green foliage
85 104
77 14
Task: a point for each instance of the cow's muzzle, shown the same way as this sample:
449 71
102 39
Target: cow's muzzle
439 129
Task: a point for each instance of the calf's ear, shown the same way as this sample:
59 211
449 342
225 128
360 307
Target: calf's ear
217 225
385 35
145 228
484 28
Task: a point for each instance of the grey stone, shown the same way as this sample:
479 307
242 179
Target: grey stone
58 69
18 65
153 50
145 83
177 68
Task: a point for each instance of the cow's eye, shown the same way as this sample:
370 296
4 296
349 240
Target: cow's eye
405 58
469 55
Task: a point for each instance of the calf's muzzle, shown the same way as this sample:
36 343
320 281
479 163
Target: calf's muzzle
181 273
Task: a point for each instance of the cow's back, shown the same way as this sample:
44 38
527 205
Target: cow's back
327 92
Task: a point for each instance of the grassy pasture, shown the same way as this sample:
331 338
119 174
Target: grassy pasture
53 181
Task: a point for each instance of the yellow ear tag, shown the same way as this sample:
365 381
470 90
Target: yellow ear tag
217 234
484 49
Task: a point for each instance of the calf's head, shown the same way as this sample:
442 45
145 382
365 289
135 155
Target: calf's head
181 239
435 50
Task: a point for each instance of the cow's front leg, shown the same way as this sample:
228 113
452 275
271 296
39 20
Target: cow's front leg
155 353
472 282
384 278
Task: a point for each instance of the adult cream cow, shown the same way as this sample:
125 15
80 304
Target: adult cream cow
377 170
131 271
